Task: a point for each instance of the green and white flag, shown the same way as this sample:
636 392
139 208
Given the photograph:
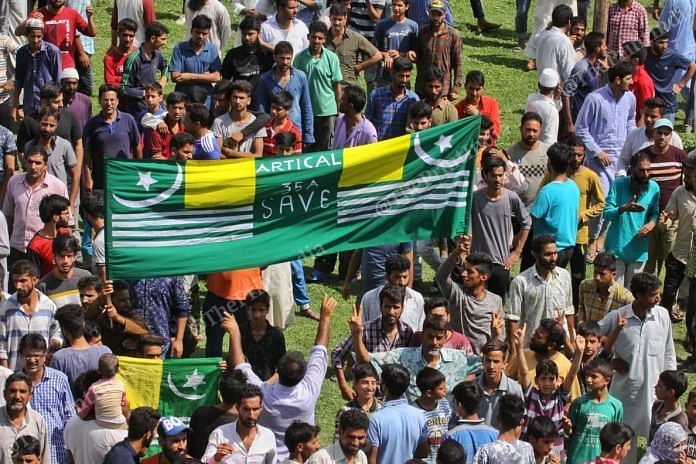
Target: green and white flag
173 218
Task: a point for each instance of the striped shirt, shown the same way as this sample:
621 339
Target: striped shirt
553 408
7 50
360 19
375 341
53 399
206 148
387 113
666 169
15 323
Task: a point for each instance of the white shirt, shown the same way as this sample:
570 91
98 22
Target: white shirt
555 51
334 455
683 204
88 442
221 29
548 109
262 450
635 141
4 374
272 33
413 313
98 251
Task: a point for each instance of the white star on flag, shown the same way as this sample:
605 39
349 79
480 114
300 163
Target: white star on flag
146 180
194 380
444 142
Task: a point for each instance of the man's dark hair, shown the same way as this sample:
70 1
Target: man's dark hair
148 339
176 97
65 243
338 9
90 281
392 292
495 345
17 377
475 77
283 99
601 366
429 378
283 48
318 26
127 24
49 112
285 138
510 411
546 367
91 331
675 381
530 116
451 452
32 341
291 368
656 102
198 112
50 90
486 124
26 445
93 204
363 371
561 16
37 150
355 96
593 41
620 70
575 142
468 395
481 261
614 433
558 156
657 33
155 29
555 332
643 283
635 49
154 87
230 385
435 302
492 163
397 263
249 391
353 418
396 379
299 432
181 139
401 64
438 324
120 286
434 74
542 427
22 267
242 86
202 23
541 240
420 110
250 23
605 260
71 319
107 88
142 420
224 86
258 295
52 205
587 328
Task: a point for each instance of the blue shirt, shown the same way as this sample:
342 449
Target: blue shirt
583 79
397 429
32 71
185 60
301 113
663 70
53 399
556 212
206 148
140 72
115 140
387 113
81 7
676 17
122 453
622 239
472 435
390 35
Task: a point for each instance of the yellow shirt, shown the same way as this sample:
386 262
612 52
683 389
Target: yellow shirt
563 367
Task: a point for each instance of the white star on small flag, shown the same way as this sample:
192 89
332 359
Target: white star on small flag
194 380
146 180
444 142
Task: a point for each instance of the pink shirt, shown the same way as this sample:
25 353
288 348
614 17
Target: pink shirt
21 207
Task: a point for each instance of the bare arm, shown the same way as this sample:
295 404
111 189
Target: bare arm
522 367
74 185
192 78
229 323
328 305
575 365
356 328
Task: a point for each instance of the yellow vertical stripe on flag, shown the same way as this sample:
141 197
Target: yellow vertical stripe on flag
221 184
142 378
381 162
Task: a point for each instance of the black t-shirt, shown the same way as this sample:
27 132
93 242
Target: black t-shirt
204 420
239 64
68 128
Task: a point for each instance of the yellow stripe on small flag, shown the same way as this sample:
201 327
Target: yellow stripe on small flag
219 184
141 390
381 162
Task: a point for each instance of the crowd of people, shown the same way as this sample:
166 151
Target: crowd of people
546 366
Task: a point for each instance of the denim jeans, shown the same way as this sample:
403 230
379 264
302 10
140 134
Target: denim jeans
213 309
674 274
521 18
86 83
299 286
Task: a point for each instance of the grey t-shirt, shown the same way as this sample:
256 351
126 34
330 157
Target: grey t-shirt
72 362
223 128
491 223
62 292
532 165
60 160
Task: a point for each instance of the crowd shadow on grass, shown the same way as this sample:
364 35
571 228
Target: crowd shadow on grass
168 15
511 62
500 38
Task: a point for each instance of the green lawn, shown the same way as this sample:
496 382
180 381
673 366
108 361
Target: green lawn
491 53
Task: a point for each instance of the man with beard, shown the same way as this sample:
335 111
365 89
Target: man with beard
382 333
51 395
643 349
243 440
546 342
444 110
455 364
249 60
387 107
439 47
60 285
78 103
662 63
543 291
529 154
234 121
352 436
666 168
142 426
16 416
633 208
172 438
284 26
474 308
54 211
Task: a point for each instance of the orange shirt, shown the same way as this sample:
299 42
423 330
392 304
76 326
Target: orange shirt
235 285
488 106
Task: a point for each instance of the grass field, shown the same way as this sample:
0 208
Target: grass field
491 53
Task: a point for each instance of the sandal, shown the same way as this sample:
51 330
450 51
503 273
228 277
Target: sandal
309 313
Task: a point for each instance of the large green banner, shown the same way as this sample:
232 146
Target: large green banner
168 218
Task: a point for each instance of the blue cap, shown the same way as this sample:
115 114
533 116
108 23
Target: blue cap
170 426
663 122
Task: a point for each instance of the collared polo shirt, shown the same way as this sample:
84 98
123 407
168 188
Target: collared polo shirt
33 425
33 70
186 60
322 74
397 429
349 50
488 408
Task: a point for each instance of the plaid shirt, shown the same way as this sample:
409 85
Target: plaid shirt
593 307
387 113
374 339
53 399
442 50
628 25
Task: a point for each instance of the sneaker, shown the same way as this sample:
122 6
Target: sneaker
181 21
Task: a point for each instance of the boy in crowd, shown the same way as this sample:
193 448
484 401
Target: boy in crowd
60 285
302 440
470 431
508 448
263 344
593 348
26 450
156 139
182 146
54 211
671 385
541 434
365 382
615 440
90 288
437 411
197 123
589 413
690 407
494 382
285 143
281 104
232 122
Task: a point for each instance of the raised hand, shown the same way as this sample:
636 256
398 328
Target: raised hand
519 335
328 305
497 325
621 321
229 323
355 321
580 343
463 243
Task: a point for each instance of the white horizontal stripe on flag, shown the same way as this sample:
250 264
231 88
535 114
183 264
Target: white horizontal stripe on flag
394 212
167 233
394 199
182 242
184 222
172 214
397 185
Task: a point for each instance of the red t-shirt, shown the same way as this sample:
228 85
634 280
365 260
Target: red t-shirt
269 148
488 106
643 88
153 141
60 28
114 61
